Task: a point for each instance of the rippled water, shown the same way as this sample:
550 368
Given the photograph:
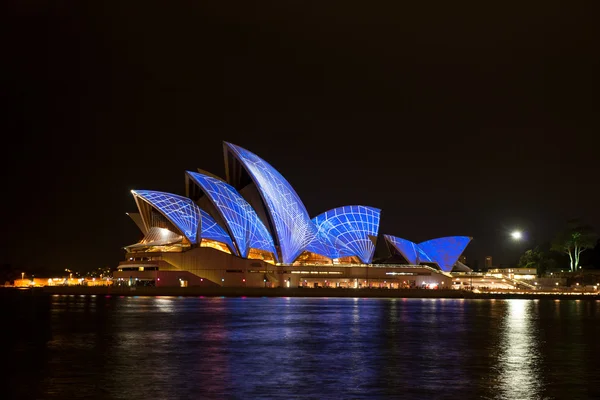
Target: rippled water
65 347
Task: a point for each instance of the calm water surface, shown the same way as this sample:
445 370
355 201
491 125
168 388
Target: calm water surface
66 347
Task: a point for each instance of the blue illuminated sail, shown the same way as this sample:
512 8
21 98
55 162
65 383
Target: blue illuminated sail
293 227
328 246
351 230
408 249
211 230
445 251
181 211
241 220
442 251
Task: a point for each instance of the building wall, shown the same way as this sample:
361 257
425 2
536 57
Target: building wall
514 271
202 266
488 262
62 281
221 268
167 278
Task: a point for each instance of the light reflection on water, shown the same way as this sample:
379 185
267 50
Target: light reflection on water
519 355
282 348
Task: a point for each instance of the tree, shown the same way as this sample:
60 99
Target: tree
531 258
538 258
574 240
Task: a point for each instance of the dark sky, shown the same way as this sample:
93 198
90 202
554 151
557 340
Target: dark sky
455 118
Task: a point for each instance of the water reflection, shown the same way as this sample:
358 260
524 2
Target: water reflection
519 356
254 348
164 304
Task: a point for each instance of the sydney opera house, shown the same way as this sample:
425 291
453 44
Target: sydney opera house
251 229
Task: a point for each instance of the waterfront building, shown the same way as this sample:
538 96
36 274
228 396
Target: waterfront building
515 273
61 281
251 229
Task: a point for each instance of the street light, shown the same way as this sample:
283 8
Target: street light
516 235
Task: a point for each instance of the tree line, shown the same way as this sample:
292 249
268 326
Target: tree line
576 245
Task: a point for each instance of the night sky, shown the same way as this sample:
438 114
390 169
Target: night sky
455 118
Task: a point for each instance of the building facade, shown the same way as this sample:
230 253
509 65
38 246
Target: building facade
488 262
252 229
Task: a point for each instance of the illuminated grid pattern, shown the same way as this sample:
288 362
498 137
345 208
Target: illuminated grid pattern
246 228
442 251
328 246
423 256
445 251
294 229
213 231
181 211
408 249
351 227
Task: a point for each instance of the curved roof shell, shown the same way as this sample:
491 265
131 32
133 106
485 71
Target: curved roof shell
328 246
408 249
213 231
180 211
350 230
268 215
246 229
293 227
443 251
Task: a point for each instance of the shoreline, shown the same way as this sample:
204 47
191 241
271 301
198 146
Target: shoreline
292 292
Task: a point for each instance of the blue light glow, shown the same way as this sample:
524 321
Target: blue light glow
181 211
328 246
423 256
408 249
337 233
246 228
442 251
349 229
293 227
213 231
445 251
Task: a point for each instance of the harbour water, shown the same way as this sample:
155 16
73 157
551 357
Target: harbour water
112 347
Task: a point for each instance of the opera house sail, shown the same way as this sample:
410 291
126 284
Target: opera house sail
254 222
351 230
444 252
242 222
293 228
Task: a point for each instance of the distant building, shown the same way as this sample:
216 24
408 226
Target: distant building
515 273
488 262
